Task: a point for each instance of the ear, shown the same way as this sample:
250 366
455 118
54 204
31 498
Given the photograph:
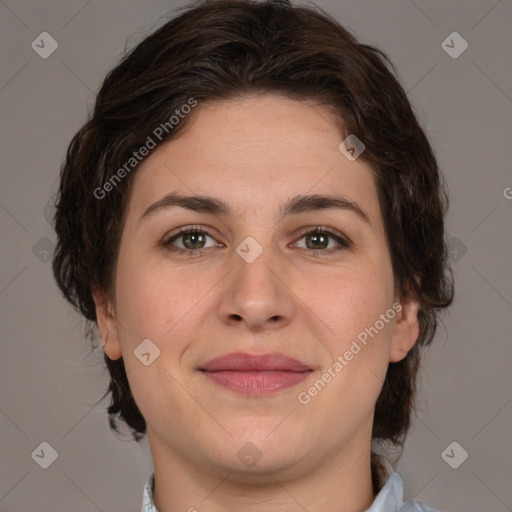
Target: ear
405 330
107 324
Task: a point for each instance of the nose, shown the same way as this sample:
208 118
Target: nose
258 294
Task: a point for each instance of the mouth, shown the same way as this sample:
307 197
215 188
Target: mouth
255 375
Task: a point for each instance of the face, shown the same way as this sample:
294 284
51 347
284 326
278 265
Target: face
257 272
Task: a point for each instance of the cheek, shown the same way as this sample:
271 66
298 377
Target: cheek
152 303
152 297
350 303
347 300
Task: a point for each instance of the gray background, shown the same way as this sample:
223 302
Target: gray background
50 379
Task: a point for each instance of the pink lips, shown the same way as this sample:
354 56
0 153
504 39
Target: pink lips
251 374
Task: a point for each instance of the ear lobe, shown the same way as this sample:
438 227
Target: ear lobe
107 323
405 331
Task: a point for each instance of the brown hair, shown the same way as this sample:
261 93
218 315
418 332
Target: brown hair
226 48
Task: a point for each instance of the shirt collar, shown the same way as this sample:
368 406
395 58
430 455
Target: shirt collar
147 499
389 499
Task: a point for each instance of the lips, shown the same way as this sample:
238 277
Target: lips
240 361
255 374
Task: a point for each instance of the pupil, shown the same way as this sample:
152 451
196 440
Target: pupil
191 236
317 239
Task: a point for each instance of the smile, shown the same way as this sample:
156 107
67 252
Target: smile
255 375
257 382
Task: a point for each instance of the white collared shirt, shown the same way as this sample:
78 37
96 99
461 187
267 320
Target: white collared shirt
389 499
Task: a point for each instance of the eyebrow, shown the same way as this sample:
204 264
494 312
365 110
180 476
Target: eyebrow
294 206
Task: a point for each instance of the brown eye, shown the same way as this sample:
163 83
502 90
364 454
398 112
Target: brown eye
189 240
317 241
193 240
325 240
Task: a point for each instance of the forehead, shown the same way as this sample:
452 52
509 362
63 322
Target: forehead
253 152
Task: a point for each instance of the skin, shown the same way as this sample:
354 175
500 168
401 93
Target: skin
255 153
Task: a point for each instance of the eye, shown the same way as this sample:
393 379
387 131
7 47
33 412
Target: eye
192 240
321 238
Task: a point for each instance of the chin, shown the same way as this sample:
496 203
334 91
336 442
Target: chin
253 456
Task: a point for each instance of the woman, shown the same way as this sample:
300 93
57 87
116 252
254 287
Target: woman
254 220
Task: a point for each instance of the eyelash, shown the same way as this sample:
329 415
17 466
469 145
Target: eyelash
343 242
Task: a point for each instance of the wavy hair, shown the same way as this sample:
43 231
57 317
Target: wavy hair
223 49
